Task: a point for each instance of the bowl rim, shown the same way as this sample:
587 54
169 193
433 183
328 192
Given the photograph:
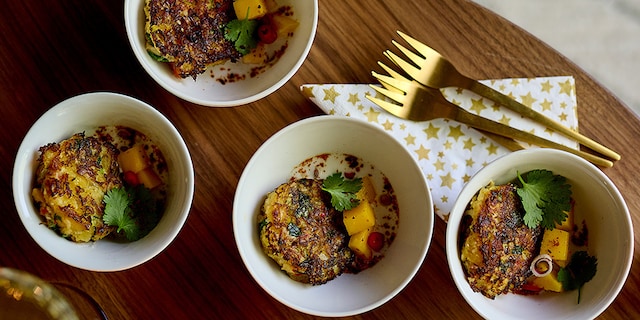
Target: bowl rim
245 252
150 69
24 156
505 161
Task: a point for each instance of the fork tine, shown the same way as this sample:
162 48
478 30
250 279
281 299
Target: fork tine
409 68
400 83
391 72
396 110
416 58
422 48
392 93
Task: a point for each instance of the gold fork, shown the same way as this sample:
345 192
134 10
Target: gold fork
433 70
419 103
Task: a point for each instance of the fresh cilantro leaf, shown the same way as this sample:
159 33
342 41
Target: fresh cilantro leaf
117 213
242 33
545 198
581 269
343 191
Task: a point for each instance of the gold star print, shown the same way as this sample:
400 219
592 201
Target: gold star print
423 153
444 199
528 100
466 178
332 112
469 162
477 105
353 98
546 105
454 166
330 94
447 180
447 145
459 90
546 86
468 144
566 87
505 120
515 82
563 116
388 125
502 87
360 107
308 92
431 131
492 149
410 139
429 176
440 154
563 105
403 126
455 132
372 115
439 165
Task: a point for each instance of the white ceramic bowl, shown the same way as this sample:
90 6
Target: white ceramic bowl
272 165
206 90
85 113
598 202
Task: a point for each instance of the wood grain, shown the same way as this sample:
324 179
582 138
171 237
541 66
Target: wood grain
55 51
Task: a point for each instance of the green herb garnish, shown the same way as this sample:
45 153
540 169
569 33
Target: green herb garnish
132 210
343 191
545 198
581 269
242 33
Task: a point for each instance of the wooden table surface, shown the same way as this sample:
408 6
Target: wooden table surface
50 52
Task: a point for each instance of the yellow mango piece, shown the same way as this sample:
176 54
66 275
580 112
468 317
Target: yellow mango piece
149 178
359 218
256 56
255 8
134 159
358 244
567 224
367 192
549 282
556 244
284 24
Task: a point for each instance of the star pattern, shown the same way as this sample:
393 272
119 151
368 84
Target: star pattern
450 153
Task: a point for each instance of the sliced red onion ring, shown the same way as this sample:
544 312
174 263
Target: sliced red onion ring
538 261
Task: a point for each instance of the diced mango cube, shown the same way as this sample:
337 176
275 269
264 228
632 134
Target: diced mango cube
134 159
249 9
358 244
149 178
556 244
549 282
257 56
284 24
359 218
367 192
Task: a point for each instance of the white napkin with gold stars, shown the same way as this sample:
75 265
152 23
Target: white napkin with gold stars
448 152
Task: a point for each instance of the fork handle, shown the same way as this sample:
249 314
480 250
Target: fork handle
514 105
485 124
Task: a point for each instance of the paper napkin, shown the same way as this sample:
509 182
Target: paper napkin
448 152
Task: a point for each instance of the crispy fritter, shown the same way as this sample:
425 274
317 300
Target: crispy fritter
303 234
497 247
189 34
71 179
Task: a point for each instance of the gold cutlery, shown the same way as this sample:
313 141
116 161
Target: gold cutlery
416 102
431 69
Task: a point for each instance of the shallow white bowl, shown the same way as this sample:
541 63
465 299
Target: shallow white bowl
598 202
206 90
272 165
85 113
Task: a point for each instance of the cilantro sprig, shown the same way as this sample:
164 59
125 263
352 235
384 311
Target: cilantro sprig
242 33
133 210
545 198
343 191
581 269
